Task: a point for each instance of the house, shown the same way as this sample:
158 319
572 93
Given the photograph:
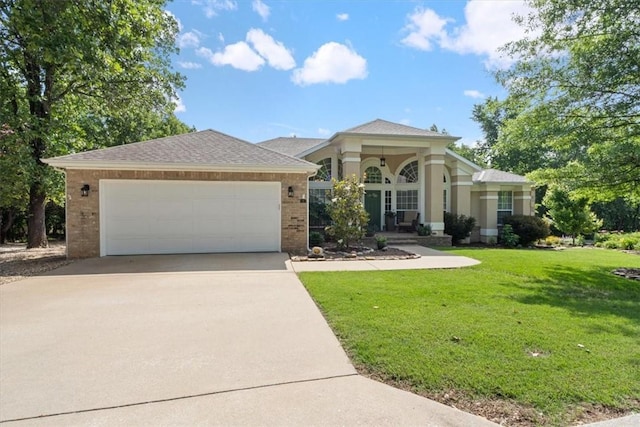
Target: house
210 192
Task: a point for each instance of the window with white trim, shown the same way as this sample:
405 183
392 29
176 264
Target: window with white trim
407 200
373 175
324 173
505 205
409 173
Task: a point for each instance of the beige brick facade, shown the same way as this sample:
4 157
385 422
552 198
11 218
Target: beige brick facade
83 213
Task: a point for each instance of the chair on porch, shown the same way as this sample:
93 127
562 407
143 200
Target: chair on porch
409 221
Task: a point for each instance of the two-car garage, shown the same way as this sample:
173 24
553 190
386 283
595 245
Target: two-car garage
162 217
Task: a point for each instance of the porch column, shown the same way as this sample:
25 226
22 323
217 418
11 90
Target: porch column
488 215
433 185
460 193
351 164
522 203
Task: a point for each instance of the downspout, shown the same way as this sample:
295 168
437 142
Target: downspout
308 202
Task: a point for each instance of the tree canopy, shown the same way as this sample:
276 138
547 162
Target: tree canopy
76 76
575 86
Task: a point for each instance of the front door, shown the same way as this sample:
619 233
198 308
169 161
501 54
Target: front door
372 204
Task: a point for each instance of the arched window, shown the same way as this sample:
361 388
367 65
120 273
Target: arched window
324 173
409 173
373 175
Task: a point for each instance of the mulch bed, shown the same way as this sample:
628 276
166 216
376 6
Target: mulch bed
358 254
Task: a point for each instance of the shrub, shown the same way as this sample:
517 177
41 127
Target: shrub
459 227
553 241
528 228
508 237
580 240
627 243
424 230
381 242
316 238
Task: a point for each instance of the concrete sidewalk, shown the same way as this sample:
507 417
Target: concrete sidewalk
430 258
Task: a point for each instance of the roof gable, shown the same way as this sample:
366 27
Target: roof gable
197 150
384 127
498 176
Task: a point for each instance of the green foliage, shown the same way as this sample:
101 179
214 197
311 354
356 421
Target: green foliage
520 316
576 88
528 228
620 214
626 241
77 76
381 242
459 227
508 238
570 216
553 241
316 238
424 230
348 216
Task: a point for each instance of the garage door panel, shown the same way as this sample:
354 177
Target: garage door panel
147 217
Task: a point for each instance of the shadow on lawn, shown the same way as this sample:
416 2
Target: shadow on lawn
593 292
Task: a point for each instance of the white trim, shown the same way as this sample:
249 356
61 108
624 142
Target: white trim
464 160
434 162
488 197
489 232
148 166
462 183
436 226
522 198
351 159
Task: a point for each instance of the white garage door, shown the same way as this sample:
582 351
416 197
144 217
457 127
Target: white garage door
169 217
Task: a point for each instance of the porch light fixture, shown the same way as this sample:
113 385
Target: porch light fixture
383 161
84 191
303 198
290 191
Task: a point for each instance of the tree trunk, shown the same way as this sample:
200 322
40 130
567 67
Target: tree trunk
37 233
7 216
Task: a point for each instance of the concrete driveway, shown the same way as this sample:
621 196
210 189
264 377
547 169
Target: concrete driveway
185 340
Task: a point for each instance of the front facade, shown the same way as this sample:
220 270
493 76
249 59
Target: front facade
407 169
209 192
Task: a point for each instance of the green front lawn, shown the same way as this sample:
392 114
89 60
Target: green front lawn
552 331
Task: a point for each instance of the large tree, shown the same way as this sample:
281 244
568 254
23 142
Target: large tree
575 85
68 67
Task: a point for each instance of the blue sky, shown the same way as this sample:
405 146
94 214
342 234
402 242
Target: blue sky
258 69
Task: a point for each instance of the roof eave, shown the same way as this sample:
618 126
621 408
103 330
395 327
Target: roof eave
387 135
92 165
463 160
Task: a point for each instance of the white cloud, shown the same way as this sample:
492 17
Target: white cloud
175 19
180 107
189 65
221 37
188 39
331 63
261 9
342 17
276 54
238 55
324 132
406 122
488 26
212 7
472 93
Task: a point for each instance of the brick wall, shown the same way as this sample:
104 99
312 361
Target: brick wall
83 213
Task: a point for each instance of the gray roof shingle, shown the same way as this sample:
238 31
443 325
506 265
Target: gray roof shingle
292 146
383 127
204 148
494 175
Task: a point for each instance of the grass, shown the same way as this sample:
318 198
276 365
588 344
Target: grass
554 331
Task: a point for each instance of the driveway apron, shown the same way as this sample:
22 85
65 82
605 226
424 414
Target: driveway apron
166 341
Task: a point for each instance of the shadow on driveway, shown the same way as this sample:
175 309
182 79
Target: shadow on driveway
271 261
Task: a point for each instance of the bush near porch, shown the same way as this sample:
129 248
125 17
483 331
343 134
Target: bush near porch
551 336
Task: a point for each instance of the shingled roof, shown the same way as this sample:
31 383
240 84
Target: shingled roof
293 146
383 127
498 176
204 150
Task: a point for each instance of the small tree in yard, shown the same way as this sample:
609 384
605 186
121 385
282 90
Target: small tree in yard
348 216
572 217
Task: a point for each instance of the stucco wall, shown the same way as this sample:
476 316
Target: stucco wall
83 213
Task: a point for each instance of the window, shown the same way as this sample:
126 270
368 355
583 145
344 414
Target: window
340 169
387 201
324 173
409 173
318 199
505 205
407 200
444 201
373 175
